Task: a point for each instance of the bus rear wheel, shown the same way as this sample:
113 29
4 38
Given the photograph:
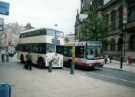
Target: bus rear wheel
41 62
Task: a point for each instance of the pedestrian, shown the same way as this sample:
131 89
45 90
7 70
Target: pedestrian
106 59
50 65
3 55
129 59
110 57
7 56
22 59
28 61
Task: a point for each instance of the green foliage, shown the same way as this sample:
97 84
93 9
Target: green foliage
93 28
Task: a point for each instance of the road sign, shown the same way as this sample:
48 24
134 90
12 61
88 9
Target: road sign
4 8
94 43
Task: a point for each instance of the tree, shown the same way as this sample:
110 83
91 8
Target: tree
28 26
93 27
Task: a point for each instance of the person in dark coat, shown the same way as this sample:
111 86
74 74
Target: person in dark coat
29 61
7 56
106 59
3 55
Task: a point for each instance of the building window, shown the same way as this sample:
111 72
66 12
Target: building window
112 44
130 2
120 17
105 45
132 43
113 20
120 42
106 19
131 13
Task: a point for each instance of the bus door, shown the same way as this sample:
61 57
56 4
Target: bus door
90 52
79 51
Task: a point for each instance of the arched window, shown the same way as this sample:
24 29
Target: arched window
120 42
112 44
132 43
105 45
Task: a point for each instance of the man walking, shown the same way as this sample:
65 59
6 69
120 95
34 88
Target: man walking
3 55
106 59
7 56
29 61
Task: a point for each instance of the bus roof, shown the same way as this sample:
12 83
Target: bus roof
41 31
84 43
34 29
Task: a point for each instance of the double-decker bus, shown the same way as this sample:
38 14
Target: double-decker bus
87 54
41 44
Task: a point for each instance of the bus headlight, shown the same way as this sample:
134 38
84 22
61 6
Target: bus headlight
90 64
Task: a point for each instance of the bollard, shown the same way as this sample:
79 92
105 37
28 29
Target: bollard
72 64
5 90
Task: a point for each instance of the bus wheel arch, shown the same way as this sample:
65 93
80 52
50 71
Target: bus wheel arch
41 62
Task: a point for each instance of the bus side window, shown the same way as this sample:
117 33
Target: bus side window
91 52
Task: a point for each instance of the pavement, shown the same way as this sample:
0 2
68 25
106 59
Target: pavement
59 83
116 65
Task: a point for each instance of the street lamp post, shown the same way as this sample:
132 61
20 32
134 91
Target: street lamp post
72 68
55 38
54 42
124 34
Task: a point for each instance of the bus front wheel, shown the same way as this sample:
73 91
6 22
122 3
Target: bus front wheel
41 62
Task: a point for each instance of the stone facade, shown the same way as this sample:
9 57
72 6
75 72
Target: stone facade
86 5
113 11
77 26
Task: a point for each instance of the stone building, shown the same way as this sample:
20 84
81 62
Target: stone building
80 16
10 35
77 26
113 12
86 6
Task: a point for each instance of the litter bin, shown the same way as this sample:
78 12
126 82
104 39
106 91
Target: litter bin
5 90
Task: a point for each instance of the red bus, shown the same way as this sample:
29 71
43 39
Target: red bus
88 55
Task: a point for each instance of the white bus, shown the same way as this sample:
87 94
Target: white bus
41 44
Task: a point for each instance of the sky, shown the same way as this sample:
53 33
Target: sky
44 13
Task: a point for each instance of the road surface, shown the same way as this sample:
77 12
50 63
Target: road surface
60 83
